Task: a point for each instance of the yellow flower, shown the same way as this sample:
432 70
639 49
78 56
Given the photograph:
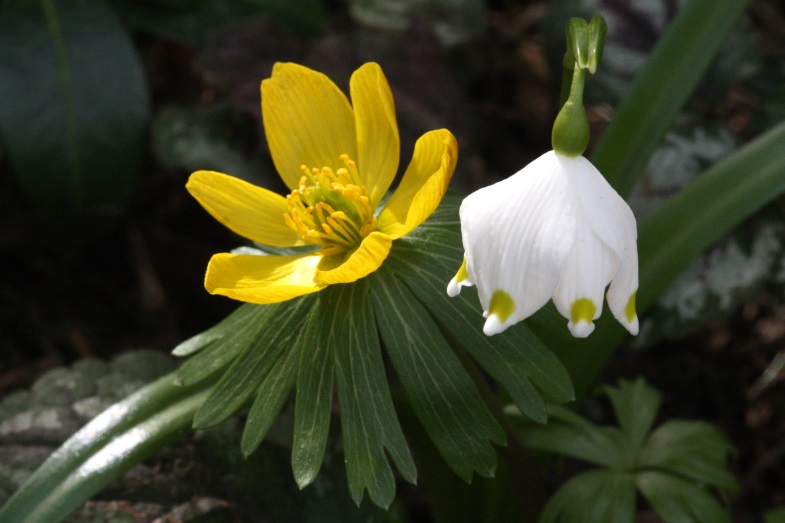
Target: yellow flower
338 160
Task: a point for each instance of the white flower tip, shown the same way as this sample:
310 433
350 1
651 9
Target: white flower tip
633 327
493 325
453 288
460 279
581 329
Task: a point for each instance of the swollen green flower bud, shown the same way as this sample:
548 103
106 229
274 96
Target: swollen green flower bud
571 132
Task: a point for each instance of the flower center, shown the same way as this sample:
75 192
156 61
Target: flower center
331 208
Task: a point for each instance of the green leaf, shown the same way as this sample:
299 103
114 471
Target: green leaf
425 261
114 441
368 417
314 398
76 140
636 405
694 450
440 391
662 88
218 346
263 345
569 434
676 500
273 392
589 497
702 213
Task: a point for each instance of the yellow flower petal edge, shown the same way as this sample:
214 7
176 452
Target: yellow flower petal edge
307 121
262 279
368 257
378 144
423 185
250 211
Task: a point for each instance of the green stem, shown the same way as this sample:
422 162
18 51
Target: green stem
117 439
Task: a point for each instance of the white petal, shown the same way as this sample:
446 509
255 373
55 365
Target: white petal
517 233
607 213
621 294
585 273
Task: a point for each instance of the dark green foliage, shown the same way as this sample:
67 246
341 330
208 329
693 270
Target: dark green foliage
678 467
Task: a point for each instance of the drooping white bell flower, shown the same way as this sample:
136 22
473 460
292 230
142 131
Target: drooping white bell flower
556 229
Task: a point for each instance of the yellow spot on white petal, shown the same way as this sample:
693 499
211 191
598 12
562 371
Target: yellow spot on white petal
629 309
460 279
499 310
502 305
581 317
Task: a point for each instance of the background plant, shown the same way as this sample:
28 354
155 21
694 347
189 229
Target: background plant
758 160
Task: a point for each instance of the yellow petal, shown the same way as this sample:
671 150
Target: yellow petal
423 185
378 145
248 210
262 279
367 258
307 120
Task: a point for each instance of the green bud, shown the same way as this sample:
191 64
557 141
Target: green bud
578 41
596 41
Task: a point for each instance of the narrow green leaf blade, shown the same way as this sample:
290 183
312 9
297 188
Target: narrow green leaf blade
271 397
368 417
76 140
717 201
314 399
263 345
662 88
440 391
676 500
218 346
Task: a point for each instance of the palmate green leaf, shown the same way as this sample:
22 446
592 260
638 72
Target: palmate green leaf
677 500
693 450
218 346
114 441
314 399
76 139
569 434
636 406
439 390
243 378
597 495
368 417
678 453
425 261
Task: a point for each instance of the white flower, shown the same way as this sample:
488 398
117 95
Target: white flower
555 229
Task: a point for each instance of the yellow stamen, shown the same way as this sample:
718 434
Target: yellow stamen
331 208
